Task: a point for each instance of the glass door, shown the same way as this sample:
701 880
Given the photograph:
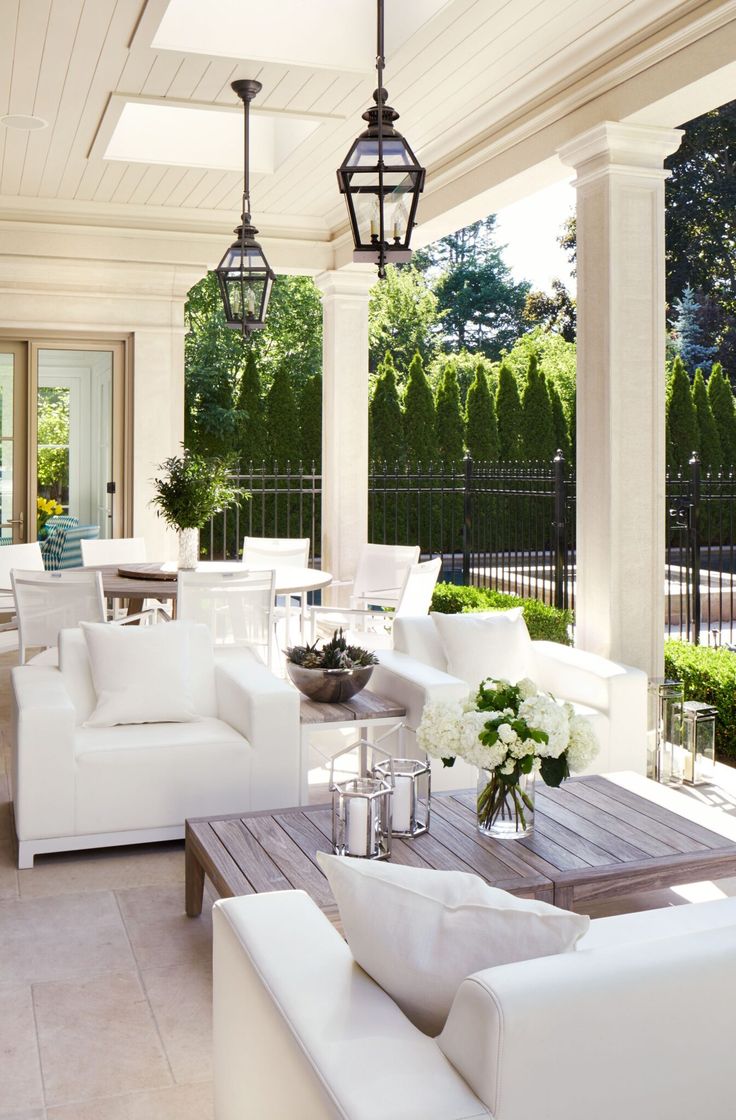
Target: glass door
77 452
14 510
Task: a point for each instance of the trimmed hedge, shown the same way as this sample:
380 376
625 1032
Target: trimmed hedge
708 675
543 622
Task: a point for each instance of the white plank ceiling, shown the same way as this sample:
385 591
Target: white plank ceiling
469 66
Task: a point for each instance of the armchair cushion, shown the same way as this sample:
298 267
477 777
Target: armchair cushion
140 674
436 928
485 644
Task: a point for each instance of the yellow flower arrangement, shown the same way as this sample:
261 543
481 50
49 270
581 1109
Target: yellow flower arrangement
46 508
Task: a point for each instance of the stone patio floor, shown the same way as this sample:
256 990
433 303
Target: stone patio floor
105 984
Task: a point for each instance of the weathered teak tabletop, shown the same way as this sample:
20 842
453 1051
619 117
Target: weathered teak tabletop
592 839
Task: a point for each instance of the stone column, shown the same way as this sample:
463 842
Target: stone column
344 419
621 390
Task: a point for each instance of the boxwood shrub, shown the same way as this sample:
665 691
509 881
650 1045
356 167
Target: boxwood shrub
543 622
709 675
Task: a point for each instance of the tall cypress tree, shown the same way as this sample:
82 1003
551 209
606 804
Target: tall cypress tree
385 416
284 443
508 415
710 441
449 420
538 431
252 437
721 400
481 426
559 422
419 415
682 424
310 421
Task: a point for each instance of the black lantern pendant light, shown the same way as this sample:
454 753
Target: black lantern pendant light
244 275
381 180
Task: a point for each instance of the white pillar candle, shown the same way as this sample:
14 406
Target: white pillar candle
401 813
357 830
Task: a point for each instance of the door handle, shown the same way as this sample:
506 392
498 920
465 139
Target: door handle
19 520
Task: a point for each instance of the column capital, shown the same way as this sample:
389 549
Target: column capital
636 149
351 282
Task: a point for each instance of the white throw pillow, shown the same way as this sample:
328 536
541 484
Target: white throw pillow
141 674
420 932
485 644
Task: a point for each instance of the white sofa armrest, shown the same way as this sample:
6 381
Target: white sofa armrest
609 1033
295 1020
411 684
43 726
619 691
265 710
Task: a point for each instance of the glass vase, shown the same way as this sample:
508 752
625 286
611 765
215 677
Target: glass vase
505 811
188 548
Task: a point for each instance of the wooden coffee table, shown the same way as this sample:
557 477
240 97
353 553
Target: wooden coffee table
593 839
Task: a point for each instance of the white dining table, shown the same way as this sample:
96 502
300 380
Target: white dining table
150 582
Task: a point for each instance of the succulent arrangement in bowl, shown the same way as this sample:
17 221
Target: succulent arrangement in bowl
330 673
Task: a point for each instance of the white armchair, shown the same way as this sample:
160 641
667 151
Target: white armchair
612 696
85 787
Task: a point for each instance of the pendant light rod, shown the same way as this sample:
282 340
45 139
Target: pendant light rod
382 97
246 89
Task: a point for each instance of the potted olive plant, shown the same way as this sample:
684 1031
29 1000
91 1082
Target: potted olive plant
191 490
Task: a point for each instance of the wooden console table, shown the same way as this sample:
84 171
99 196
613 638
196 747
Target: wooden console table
593 839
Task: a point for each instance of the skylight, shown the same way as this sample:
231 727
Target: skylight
332 34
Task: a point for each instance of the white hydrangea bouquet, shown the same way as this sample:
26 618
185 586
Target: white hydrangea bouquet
511 732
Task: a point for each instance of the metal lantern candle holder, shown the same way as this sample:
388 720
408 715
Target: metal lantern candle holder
666 764
411 800
700 742
361 802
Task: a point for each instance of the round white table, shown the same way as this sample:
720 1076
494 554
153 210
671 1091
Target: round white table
288 581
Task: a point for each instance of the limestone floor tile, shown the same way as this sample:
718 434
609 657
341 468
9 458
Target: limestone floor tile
104 870
20 1072
160 932
181 1000
62 938
183 1102
97 1038
25 1114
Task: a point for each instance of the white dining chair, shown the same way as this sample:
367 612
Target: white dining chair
47 602
113 550
280 552
378 582
27 557
372 627
238 607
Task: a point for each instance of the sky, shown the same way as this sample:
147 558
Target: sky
530 229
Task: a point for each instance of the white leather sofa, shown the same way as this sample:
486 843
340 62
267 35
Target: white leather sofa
612 696
85 787
637 1024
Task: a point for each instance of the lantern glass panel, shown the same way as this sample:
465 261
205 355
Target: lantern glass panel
700 742
667 763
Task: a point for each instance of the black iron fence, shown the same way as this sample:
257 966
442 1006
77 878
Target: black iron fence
506 526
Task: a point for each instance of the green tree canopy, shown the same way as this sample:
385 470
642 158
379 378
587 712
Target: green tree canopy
559 420
386 417
214 358
466 364
282 412
682 425
508 414
481 426
252 436
555 312
689 333
721 400
419 415
310 421
710 441
403 317
449 419
483 306
538 431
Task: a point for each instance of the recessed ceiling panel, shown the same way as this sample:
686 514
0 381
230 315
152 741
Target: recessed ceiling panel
178 136
332 34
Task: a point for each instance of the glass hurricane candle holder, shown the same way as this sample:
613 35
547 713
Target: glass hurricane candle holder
411 800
